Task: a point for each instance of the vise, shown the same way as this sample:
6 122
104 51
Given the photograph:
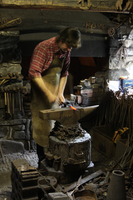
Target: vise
69 150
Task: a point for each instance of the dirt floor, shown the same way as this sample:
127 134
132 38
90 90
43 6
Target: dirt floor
98 159
31 157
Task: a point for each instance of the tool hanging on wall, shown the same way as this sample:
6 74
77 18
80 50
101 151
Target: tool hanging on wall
12 91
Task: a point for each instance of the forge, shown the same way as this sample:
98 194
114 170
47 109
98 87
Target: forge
69 150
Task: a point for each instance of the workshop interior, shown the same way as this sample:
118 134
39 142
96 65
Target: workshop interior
90 152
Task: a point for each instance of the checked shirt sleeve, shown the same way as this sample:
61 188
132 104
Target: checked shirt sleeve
37 65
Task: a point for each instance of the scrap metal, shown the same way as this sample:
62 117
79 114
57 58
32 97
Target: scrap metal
24 179
82 181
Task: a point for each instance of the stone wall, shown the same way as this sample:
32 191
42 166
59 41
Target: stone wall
17 130
121 56
15 116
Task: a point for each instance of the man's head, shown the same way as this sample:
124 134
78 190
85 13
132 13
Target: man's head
69 38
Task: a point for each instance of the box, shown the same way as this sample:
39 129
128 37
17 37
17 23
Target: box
102 141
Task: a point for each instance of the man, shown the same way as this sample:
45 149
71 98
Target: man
48 73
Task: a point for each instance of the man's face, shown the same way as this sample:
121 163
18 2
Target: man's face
64 47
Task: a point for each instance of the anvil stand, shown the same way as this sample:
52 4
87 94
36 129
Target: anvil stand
69 151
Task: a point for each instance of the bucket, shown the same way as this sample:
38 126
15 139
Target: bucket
116 188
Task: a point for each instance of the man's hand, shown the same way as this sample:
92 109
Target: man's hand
61 99
128 6
56 99
119 4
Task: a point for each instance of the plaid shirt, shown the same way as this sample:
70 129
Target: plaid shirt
43 56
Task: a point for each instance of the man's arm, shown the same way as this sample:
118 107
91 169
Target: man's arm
41 85
62 85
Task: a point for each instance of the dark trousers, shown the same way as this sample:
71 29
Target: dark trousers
40 153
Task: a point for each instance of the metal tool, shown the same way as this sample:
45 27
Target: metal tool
68 104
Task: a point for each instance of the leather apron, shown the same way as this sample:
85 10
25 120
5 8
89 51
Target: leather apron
51 77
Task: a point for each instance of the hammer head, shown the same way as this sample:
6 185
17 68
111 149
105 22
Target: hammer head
66 116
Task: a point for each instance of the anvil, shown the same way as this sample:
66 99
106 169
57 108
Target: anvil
67 116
